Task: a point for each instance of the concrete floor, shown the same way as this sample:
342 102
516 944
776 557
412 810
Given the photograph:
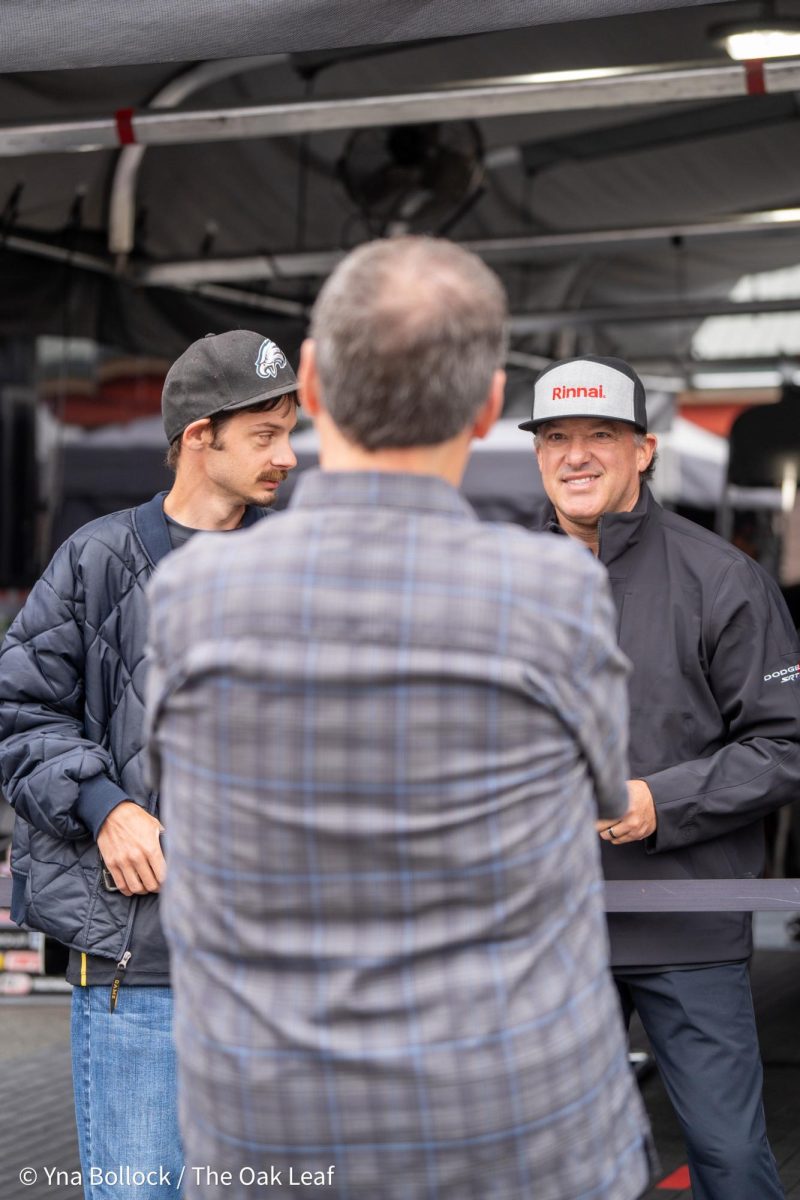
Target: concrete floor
37 1128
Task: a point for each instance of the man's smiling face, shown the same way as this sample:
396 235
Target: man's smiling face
591 466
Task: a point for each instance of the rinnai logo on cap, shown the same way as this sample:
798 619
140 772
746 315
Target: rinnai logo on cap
269 360
583 388
575 393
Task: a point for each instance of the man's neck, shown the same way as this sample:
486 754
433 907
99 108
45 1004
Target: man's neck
588 534
446 461
193 505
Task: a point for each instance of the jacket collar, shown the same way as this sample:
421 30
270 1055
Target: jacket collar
383 489
152 530
618 531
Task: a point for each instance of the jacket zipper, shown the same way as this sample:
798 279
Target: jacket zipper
122 966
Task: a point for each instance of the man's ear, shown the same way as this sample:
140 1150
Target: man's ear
308 379
197 435
647 450
492 406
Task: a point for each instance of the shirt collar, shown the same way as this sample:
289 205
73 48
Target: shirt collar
150 522
378 489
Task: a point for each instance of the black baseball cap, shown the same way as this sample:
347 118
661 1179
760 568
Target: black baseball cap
588 387
221 373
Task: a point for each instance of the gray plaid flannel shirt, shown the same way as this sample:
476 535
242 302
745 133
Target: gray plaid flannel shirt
383 731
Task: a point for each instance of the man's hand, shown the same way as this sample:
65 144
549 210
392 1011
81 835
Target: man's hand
128 842
638 822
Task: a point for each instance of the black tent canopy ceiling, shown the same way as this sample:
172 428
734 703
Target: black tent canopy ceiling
36 35
614 228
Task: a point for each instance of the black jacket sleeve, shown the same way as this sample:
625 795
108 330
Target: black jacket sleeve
57 779
750 640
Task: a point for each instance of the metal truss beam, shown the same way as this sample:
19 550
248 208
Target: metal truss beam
613 87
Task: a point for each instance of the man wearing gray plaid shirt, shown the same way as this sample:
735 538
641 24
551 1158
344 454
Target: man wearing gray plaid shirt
384 732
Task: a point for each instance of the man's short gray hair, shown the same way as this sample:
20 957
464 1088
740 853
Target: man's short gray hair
409 332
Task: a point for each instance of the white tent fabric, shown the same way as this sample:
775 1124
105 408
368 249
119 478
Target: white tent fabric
692 465
36 35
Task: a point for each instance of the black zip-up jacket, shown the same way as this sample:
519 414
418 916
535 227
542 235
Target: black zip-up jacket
715 722
72 675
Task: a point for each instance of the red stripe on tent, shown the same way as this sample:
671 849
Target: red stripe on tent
754 77
124 119
676 1182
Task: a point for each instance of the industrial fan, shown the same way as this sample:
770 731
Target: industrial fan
413 178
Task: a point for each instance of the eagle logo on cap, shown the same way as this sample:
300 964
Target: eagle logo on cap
269 360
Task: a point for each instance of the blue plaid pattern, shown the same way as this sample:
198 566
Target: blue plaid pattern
382 731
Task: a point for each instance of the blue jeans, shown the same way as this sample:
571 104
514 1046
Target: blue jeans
124 1078
702 1030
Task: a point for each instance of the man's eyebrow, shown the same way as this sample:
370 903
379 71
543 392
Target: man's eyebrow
273 425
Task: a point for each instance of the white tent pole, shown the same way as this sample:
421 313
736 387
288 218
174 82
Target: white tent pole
559 92
122 203
311 264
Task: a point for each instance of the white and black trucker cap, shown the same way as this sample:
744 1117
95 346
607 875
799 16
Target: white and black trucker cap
588 387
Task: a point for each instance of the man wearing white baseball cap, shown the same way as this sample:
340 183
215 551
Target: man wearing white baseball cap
714 746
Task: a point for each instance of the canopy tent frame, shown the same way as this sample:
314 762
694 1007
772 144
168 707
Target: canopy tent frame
132 279
546 93
521 323
319 263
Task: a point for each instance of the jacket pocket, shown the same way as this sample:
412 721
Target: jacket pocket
20 897
719 858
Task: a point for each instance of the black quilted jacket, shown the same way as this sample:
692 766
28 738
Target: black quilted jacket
72 679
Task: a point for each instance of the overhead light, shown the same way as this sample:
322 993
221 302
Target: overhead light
763 36
780 40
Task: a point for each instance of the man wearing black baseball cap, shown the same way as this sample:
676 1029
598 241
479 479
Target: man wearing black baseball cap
87 857
714 746
228 407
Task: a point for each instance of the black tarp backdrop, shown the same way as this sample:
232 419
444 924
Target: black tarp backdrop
18 469
40 297
764 440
